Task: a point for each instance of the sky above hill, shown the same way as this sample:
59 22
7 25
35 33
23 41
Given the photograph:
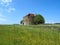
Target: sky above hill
12 11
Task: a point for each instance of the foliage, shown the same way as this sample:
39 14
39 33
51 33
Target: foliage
21 22
38 19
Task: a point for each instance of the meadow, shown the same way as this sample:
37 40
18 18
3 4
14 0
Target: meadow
30 35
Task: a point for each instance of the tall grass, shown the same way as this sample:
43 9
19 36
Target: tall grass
29 35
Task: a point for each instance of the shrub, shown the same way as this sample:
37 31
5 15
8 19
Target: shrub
39 19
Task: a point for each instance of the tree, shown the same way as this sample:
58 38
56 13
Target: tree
38 19
21 21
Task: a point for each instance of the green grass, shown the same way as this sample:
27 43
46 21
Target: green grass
29 35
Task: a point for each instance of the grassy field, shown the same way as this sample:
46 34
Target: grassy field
30 35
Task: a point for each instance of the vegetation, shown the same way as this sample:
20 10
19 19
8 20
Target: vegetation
29 35
38 19
21 21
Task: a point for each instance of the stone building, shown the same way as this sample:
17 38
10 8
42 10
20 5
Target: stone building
28 19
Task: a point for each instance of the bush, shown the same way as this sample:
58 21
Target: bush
38 19
21 22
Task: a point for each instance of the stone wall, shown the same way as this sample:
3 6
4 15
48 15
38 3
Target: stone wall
28 20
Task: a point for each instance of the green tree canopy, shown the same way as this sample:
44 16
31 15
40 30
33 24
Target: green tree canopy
39 19
21 22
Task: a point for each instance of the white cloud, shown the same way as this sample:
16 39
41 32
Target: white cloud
2 19
10 10
50 22
5 2
2 15
5 6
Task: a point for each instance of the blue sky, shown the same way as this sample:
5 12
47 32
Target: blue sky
12 11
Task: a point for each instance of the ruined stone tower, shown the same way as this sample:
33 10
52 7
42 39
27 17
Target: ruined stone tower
28 19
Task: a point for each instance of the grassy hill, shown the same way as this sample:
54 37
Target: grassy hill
30 35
